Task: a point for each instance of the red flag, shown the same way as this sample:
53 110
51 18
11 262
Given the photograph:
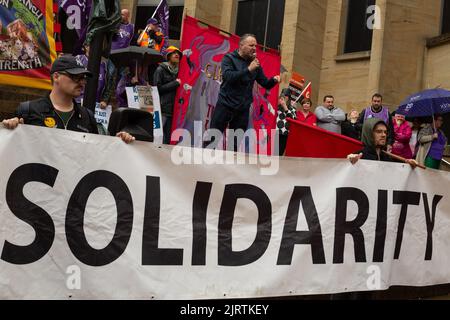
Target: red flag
306 93
312 142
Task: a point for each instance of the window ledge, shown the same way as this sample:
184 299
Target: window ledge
438 41
362 55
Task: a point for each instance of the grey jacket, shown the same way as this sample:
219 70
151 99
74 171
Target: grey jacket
330 120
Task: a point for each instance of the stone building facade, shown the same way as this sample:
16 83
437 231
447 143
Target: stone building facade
408 50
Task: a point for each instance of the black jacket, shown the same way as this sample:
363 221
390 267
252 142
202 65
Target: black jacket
236 91
391 133
371 154
350 129
167 88
41 112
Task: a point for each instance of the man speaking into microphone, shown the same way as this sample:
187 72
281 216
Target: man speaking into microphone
240 69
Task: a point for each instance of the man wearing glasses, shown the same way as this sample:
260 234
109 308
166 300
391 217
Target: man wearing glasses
59 109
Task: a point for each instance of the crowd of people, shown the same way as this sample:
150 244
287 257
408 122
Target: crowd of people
382 133
418 141
113 79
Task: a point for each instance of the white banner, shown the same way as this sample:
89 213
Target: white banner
136 223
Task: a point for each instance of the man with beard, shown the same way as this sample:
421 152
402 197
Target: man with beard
240 69
374 137
59 109
377 110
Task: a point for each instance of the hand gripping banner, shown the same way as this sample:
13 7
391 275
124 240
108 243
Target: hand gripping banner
27 46
76 224
200 73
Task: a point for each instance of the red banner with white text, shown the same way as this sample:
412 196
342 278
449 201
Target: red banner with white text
203 48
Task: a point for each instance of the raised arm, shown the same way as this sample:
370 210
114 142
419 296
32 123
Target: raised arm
263 81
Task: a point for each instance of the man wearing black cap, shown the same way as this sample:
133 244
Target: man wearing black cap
59 109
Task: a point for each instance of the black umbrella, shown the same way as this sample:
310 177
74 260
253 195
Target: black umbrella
142 55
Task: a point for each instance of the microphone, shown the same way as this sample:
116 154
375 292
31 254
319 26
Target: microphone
254 58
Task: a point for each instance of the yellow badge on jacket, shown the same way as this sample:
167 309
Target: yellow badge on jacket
50 122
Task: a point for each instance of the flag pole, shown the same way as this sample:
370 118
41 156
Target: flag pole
394 156
156 10
267 23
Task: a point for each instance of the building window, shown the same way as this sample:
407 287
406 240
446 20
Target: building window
445 17
263 18
358 36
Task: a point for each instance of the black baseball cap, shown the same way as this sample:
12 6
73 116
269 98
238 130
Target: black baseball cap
69 64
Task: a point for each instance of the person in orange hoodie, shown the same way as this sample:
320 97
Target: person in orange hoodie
151 37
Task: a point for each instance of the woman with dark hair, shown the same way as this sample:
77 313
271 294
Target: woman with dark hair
432 142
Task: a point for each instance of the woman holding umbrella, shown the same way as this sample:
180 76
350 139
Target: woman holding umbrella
431 139
432 142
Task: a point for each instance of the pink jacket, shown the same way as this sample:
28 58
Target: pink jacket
402 135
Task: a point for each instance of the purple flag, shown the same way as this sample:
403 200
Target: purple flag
162 15
78 12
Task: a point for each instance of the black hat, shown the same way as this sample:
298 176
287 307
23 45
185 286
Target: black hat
69 64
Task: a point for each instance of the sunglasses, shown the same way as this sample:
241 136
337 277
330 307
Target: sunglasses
75 77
